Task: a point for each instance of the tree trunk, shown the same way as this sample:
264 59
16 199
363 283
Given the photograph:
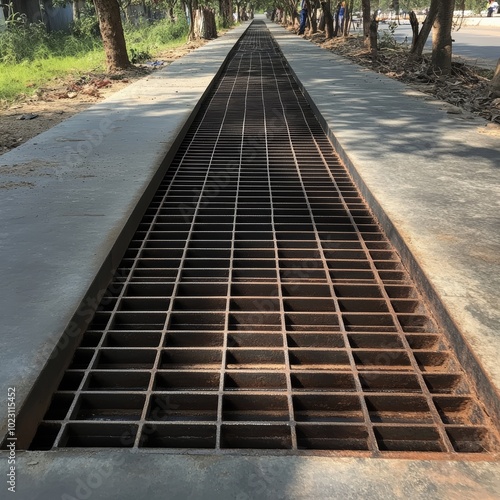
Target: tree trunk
329 33
321 25
418 45
238 19
124 8
226 12
495 81
290 13
395 5
441 38
337 21
414 28
77 9
204 24
365 6
110 25
190 9
347 17
312 14
373 38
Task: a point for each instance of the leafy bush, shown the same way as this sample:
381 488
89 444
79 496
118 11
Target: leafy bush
150 36
386 38
138 57
30 42
21 40
85 27
30 56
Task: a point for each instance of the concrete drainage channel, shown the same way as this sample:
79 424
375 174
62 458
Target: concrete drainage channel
260 308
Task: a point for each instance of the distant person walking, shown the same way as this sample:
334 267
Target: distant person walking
492 7
303 17
341 16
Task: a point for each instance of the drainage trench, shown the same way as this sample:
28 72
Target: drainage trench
261 307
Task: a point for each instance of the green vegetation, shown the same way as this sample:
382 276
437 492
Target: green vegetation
30 56
23 42
151 38
26 76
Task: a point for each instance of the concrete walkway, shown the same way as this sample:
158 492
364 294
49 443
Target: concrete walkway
73 195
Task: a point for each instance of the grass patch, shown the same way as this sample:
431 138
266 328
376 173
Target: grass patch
18 80
30 58
153 38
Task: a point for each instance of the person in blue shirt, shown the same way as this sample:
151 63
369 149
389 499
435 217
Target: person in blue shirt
341 16
303 17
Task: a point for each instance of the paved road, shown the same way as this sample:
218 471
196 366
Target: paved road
478 44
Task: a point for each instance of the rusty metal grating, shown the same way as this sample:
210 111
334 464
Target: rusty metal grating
260 306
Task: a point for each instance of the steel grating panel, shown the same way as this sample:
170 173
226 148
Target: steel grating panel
260 306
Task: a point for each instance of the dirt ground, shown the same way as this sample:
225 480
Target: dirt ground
466 90
62 98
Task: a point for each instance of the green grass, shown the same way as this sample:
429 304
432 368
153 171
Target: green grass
31 59
24 78
154 38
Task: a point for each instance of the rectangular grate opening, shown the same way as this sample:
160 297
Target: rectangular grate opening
108 407
261 307
178 436
263 437
424 439
103 435
332 437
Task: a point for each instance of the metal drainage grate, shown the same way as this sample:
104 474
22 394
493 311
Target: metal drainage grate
260 306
